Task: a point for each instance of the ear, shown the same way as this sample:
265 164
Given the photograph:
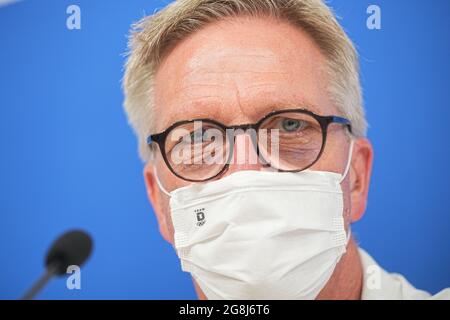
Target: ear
361 169
154 196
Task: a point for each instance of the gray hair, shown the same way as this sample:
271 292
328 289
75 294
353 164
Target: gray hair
152 36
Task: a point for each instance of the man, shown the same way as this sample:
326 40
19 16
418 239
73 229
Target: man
250 120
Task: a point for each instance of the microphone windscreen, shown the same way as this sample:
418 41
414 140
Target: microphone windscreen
72 248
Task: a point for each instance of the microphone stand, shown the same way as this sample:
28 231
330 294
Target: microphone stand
50 271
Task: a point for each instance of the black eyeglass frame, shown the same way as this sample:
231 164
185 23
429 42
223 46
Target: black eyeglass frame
324 122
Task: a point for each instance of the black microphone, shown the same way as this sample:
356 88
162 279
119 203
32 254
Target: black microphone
72 248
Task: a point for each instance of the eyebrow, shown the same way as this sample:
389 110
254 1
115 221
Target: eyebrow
265 110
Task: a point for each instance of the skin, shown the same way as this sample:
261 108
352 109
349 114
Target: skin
237 70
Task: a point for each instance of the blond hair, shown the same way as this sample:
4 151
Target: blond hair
152 36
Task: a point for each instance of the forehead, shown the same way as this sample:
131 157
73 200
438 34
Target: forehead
238 70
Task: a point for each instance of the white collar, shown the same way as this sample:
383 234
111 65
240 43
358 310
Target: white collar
381 285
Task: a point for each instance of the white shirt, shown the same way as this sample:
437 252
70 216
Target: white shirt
381 285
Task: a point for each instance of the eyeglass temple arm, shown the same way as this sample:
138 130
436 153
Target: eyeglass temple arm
344 121
154 138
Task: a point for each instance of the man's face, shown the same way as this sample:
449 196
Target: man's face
236 72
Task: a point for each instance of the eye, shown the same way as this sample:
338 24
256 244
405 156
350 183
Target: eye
197 135
293 125
202 136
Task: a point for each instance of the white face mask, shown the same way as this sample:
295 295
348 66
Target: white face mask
261 235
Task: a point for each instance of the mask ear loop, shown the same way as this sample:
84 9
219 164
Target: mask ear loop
347 169
158 182
349 161
349 234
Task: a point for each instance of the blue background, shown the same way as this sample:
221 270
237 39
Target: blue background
68 158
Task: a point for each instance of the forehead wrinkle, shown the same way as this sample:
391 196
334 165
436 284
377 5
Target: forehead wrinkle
245 71
204 57
232 61
195 85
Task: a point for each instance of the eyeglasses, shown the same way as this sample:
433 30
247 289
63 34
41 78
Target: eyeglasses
286 140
